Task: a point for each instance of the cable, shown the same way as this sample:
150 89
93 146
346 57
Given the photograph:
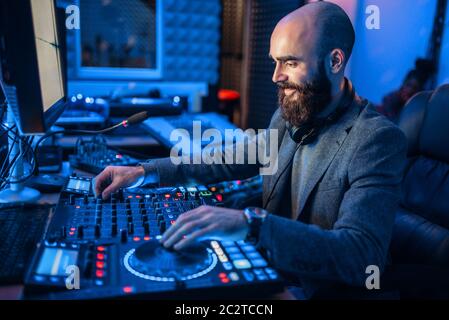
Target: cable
6 173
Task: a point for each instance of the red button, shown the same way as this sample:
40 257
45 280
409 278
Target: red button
138 197
136 239
167 196
101 248
225 280
99 273
146 238
100 256
222 275
219 197
100 264
128 289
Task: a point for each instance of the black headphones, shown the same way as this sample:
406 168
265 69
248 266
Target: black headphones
307 132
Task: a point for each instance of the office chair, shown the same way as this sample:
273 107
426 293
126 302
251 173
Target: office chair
420 242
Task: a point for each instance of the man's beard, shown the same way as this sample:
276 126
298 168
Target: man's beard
309 99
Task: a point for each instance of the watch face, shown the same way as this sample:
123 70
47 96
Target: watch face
262 213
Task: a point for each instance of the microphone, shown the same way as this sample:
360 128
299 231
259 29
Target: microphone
134 119
137 118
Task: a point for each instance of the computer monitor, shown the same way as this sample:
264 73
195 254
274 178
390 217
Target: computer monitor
33 80
32 63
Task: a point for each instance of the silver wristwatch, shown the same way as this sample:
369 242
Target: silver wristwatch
255 218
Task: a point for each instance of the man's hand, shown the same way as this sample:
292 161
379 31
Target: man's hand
113 178
203 223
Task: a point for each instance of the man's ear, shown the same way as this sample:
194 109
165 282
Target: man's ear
336 61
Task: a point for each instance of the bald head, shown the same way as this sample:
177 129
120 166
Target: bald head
322 26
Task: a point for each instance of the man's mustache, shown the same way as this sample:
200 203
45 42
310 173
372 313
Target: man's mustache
287 85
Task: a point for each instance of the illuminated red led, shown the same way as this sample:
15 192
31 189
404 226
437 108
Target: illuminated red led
128 289
72 229
136 239
172 222
99 273
239 182
166 205
118 156
101 249
138 197
224 280
146 238
71 233
100 256
100 264
77 207
167 196
130 197
179 194
219 197
222 275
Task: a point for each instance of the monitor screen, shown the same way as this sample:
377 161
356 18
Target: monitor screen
48 52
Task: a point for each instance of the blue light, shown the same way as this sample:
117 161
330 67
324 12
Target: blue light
79 96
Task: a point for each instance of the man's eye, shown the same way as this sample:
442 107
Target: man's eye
291 64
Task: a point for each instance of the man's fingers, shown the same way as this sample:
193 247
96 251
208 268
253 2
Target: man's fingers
185 229
113 187
102 180
184 218
198 235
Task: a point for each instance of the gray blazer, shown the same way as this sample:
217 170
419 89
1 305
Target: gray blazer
345 210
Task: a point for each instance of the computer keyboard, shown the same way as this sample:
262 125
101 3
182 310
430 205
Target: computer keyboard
21 228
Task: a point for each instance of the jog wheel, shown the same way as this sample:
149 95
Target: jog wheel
151 261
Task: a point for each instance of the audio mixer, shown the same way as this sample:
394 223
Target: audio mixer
113 246
93 155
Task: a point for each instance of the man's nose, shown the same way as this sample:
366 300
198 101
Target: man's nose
278 75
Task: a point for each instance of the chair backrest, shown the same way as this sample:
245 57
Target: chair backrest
421 234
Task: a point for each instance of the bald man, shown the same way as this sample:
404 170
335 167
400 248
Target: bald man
328 211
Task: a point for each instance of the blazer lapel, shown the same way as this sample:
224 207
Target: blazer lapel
324 151
273 183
